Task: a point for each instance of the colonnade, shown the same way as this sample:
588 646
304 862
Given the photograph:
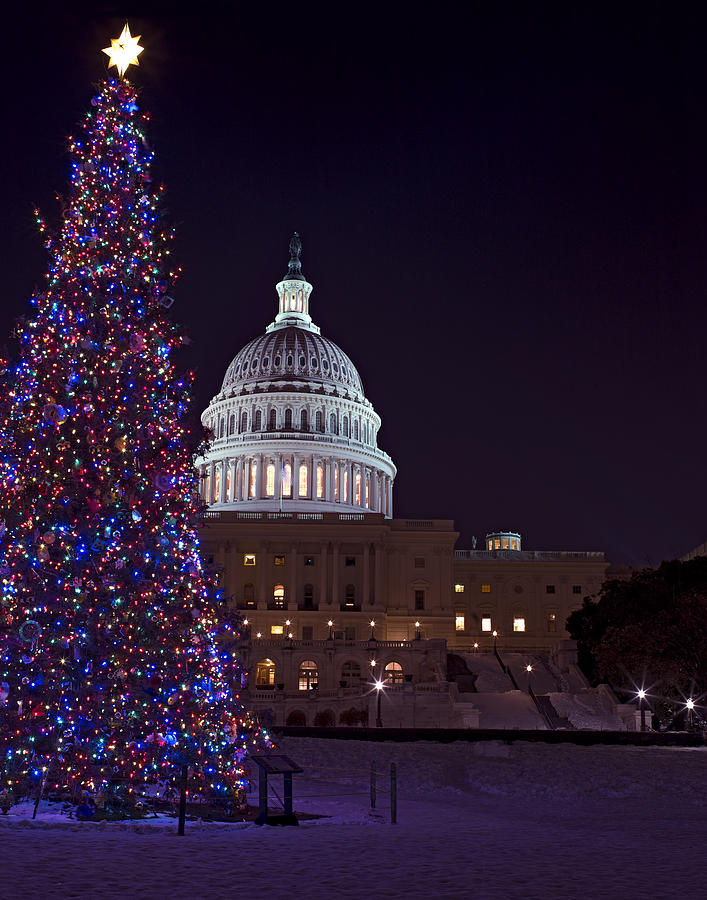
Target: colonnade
296 476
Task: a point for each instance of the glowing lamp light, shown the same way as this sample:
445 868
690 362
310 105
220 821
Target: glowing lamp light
124 51
373 662
495 633
330 623
528 669
245 621
378 685
372 623
641 694
417 624
690 703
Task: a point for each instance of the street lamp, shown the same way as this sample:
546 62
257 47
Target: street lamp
641 696
495 636
372 623
379 688
417 631
476 646
689 706
331 633
528 669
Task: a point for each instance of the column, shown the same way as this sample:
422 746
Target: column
278 476
259 476
390 497
238 486
212 478
322 573
366 574
331 496
232 493
374 490
222 492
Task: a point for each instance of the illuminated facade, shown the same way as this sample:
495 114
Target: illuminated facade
300 529
292 428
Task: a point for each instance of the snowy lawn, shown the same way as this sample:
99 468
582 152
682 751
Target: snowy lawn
487 820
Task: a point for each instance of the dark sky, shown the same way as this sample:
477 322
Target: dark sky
503 215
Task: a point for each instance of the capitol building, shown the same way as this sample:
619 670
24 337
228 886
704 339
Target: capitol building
336 592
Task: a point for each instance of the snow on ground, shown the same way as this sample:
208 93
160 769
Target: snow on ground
485 820
513 709
587 710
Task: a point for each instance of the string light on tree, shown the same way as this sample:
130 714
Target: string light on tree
116 668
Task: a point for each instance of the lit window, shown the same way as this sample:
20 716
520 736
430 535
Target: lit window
357 489
549 588
368 491
217 486
576 588
228 483
505 543
336 483
514 544
459 588
490 544
265 672
518 623
277 629
278 596
419 562
320 480
485 588
350 595
253 479
497 544
249 559
459 623
308 675
394 673
270 480
552 623
486 623
346 486
303 480
280 560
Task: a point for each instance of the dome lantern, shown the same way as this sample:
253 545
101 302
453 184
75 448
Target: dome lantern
294 291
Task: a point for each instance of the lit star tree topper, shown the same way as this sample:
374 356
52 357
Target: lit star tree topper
124 51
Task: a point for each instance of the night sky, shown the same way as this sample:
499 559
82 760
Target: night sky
503 215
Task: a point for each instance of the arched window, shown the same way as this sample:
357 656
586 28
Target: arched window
222 428
244 421
308 675
320 481
272 420
350 674
393 673
336 482
368 491
217 486
296 718
288 419
345 427
355 429
319 421
228 482
357 484
304 426
308 594
346 485
249 595
270 479
332 423
258 423
278 596
303 480
287 480
253 482
232 424
350 595
265 673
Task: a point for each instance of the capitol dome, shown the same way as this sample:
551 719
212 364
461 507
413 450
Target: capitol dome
292 429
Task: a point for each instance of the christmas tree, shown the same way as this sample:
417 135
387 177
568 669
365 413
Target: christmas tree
114 668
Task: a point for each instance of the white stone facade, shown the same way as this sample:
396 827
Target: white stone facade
292 429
